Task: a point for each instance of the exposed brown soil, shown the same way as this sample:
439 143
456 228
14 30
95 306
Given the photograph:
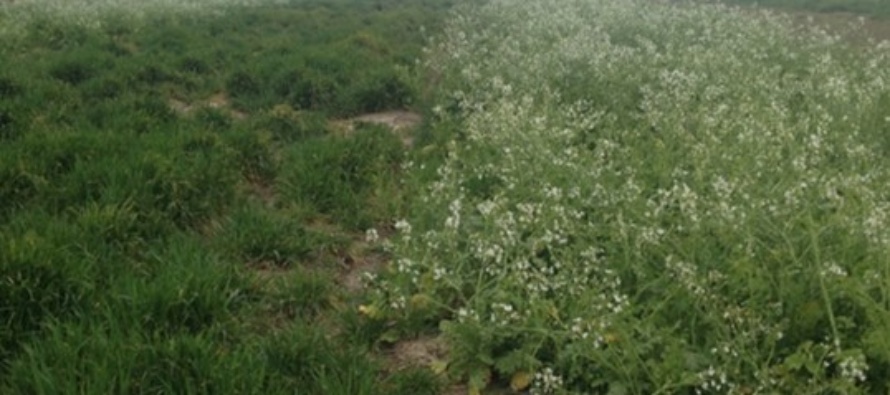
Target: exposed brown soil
270 273
179 106
265 193
396 120
401 122
414 353
219 101
357 263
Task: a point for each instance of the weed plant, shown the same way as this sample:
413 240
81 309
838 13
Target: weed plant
651 198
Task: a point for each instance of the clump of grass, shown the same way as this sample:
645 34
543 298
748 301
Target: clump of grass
104 357
43 277
419 381
182 288
344 178
301 293
258 235
304 356
255 154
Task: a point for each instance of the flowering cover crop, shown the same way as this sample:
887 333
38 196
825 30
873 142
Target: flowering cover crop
651 198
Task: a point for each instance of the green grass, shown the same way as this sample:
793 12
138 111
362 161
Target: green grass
352 180
605 196
164 172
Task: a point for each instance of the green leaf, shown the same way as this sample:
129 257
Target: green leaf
479 379
486 358
515 361
390 336
617 389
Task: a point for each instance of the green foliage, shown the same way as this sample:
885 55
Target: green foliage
72 72
135 142
42 277
649 198
102 357
612 197
419 381
287 125
256 234
242 85
254 154
380 92
182 288
44 32
304 357
8 127
300 293
345 178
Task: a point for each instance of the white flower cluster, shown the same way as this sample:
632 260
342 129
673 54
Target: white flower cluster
713 381
853 368
546 382
615 155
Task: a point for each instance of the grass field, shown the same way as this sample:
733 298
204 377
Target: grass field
600 197
178 212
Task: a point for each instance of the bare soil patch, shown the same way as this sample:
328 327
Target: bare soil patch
401 122
421 352
396 120
358 261
262 191
218 101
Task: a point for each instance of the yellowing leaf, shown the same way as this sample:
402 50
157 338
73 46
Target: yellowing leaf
439 367
521 381
420 301
369 311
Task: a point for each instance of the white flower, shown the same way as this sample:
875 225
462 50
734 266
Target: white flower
403 226
371 235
